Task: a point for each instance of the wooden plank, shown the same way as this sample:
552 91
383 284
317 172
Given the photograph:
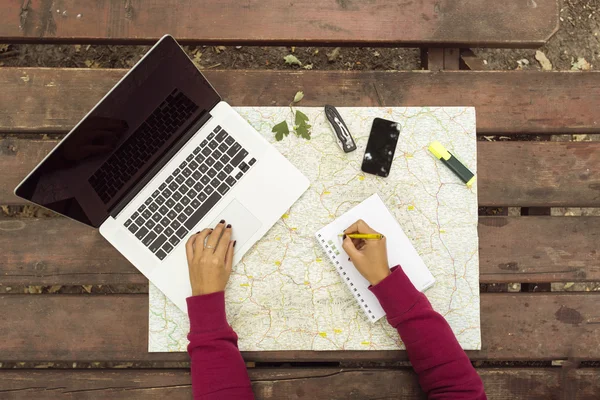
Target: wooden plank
54 99
451 59
293 383
511 249
557 174
547 326
510 23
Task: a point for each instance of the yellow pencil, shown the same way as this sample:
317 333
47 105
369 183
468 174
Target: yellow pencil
365 236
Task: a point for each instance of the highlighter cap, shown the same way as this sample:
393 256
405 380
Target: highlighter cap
438 150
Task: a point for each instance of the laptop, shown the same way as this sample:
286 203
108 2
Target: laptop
160 158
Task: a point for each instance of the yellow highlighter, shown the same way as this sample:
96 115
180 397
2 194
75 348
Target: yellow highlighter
365 236
440 152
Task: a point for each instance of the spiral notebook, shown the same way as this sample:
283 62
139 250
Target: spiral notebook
400 251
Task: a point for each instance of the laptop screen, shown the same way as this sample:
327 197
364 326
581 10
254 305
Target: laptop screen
113 147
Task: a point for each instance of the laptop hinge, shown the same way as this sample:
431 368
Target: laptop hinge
193 127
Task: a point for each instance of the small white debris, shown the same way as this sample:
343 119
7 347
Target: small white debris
543 60
78 15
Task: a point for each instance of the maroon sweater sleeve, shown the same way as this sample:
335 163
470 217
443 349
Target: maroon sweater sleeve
218 370
444 369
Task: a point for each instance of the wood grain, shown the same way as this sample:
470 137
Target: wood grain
293 383
525 326
54 99
511 249
510 23
558 174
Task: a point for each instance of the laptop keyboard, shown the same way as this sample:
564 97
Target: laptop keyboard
190 192
163 123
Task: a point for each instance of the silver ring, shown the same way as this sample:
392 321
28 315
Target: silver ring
209 247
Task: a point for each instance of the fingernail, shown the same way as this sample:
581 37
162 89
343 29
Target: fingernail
234 242
228 225
222 221
344 237
198 232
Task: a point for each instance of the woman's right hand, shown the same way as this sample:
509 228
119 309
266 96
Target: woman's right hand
368 256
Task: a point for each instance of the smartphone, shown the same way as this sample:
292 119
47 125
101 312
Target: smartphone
381 147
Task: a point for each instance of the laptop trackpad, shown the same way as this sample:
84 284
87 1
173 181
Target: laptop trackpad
242 221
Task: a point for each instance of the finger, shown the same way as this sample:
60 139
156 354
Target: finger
189 248
223 244
214 237
199 241
349 248
229 257
359 226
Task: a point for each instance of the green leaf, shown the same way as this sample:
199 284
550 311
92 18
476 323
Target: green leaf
281 130
303 130
301 118
292 60
299 96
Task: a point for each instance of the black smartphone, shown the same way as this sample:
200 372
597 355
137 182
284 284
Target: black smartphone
381 147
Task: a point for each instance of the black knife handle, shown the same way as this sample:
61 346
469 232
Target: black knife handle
342 133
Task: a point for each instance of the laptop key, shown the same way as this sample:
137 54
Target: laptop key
193 165
153 207
182 165
142 208
133 228
205 179
186 172
239 175
221 136
230 180
185 200
203 168
188 211
155 194
141 233
156 217
178 207
203 210
223 147
169 180
189 158
167 247
213 144
196 175
251 162
202 196
208 190
173 186
210 161
212 173
199 158
161 255
139 221
216 154
149 238
225 159
169 232
170 203
182 217
148 201
162 187
190 182
244 167
197 150
228 169
222 175
181 232
210 136
174 240
157 243
198 187
150 224
183 189
163 210
172 214
234 149
128 222
239 157
158 228
218 166
147 214
229 140
192 193
206 151
215 183
165 221
175 224
223 189
160 200
179 179
177 196
204 143
195 203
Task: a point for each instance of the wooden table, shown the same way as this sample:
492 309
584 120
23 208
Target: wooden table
89 330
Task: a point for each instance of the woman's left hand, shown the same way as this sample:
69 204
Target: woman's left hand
210 257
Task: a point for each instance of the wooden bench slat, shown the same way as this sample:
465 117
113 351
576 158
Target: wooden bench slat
532 326
558 174
54 99
510 23
512 249
292 383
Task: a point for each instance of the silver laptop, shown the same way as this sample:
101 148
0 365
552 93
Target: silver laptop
158 159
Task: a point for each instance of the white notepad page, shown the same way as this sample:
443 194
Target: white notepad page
399 250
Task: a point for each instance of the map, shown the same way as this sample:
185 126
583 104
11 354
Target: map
286 295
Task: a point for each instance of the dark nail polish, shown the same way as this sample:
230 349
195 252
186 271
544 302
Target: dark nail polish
234 242
228 225
344 237
222 221
198 232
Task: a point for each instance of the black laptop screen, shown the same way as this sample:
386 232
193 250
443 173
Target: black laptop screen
118 142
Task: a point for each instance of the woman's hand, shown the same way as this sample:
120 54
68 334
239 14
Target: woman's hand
210 257
368 256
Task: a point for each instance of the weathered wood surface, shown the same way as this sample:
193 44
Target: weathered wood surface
54 99
533 326
511 249
293 383
509 173
510 23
